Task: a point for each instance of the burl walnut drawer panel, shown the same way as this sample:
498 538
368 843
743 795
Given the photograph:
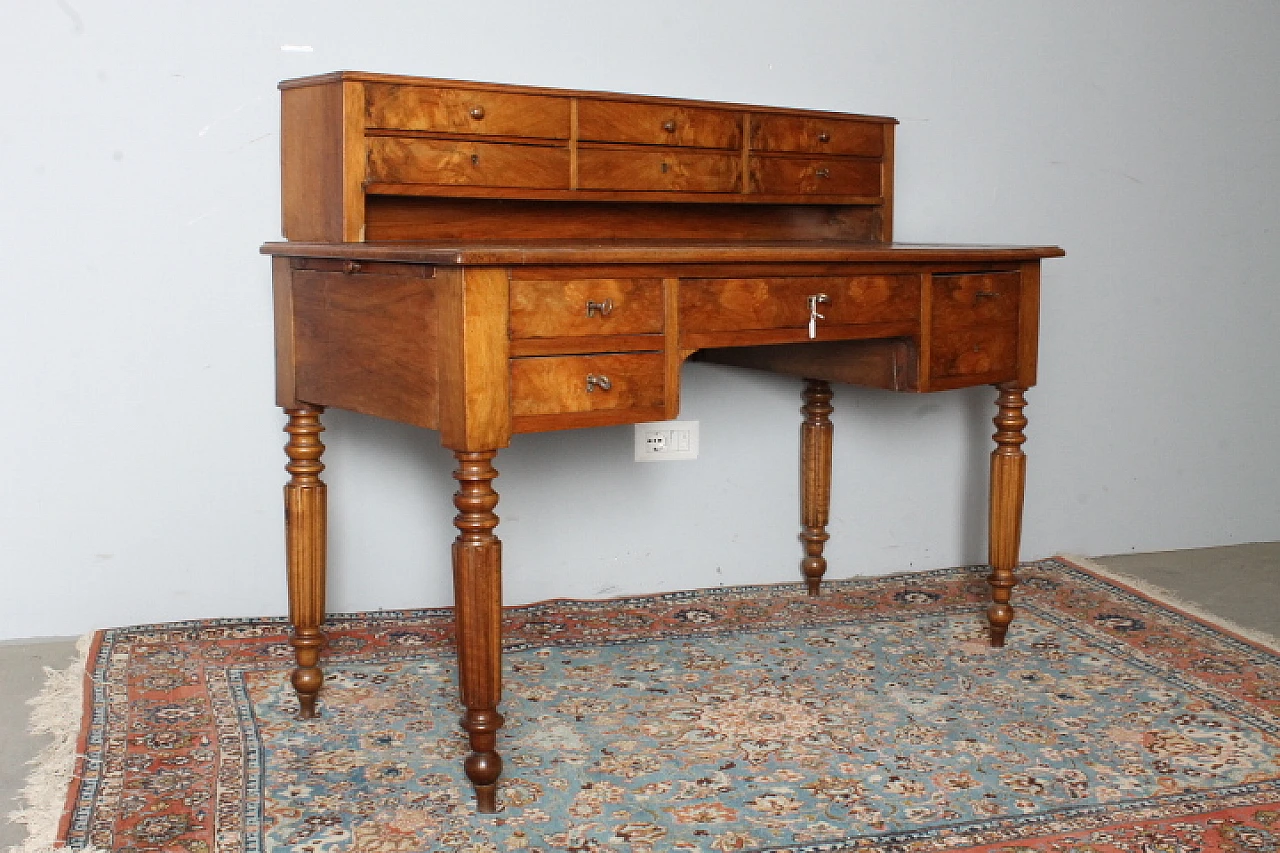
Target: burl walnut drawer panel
557 385
448 162
658 124
817 135
596 306
981 299
814 176
977 351
718 305
466 111
672 170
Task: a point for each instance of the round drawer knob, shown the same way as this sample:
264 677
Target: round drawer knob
669 125
823 136
598 381
477 113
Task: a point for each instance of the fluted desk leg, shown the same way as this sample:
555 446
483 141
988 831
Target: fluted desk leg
1008 483
477 584
305 511
815 479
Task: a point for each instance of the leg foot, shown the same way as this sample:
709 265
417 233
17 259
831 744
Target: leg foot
815 479
305 511
477 585
484 764
1008 484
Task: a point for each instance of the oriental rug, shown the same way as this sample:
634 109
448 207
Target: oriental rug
874 717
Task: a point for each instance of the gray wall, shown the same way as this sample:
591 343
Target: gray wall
141 452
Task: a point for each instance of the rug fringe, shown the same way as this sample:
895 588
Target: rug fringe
56 711
1165 596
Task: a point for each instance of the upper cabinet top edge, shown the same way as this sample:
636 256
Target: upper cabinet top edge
401 80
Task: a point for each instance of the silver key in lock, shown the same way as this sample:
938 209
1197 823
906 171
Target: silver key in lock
814 301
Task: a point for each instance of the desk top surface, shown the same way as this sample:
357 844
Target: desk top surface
658 251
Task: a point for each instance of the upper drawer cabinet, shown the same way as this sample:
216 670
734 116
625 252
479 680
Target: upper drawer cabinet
466 111
596 306
449 162
813 135
814 176
975 299
670 170
658 124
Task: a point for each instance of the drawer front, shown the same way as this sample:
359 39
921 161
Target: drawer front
980 351
978 299
466 111
449 162
722 305
596 306
557 385
817 135
814 176
667 169
657 124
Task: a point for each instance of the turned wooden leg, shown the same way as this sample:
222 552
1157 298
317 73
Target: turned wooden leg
304 513
477 585
815 479
1008 482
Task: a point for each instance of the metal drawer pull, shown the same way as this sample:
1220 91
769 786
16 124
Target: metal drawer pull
601 382
475 159
604 309
824 172
814 301
477 113
669 125
985 294
823 136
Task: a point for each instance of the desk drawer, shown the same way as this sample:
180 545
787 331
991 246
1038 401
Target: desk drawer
448 162
658 124
985 351
559 385
595 306
721 305
816 135
981 299
465 111
814 176
672 170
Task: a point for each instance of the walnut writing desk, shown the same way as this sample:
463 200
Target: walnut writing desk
484 260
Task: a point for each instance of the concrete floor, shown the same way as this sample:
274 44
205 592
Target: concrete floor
1238 582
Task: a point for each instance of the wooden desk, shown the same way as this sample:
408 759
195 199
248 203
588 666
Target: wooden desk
485 260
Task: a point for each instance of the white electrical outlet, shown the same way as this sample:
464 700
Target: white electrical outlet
663 441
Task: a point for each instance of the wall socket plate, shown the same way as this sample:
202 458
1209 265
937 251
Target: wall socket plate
666 441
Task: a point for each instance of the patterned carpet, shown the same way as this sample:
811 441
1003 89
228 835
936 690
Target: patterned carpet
749 718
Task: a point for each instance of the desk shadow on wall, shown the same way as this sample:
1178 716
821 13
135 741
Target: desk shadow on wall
979 409
390 495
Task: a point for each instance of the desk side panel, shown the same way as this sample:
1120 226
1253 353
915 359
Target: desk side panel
366 341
